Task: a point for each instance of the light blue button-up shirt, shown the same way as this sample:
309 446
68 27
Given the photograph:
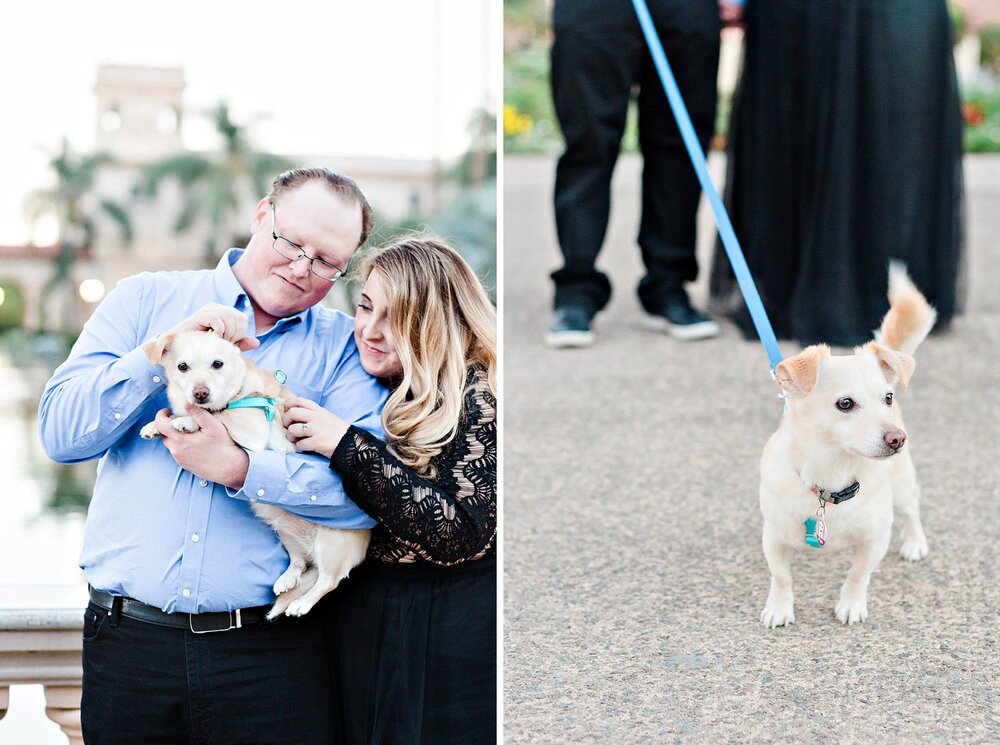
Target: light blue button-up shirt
158 533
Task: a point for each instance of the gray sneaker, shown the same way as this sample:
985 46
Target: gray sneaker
570 328
681 321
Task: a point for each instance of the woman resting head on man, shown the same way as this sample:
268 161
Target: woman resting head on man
423 321
414 627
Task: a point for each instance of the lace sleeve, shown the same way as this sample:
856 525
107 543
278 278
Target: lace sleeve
445 521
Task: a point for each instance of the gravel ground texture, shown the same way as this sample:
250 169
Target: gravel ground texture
633 572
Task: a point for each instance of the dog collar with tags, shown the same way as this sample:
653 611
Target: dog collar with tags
836 497
816 526
833 497
255 402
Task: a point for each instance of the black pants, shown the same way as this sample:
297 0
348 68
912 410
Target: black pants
151 684
414 651
598 56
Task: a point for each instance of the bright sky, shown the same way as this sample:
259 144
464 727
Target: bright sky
368 77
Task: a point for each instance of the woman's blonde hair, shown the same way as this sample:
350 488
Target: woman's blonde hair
442 322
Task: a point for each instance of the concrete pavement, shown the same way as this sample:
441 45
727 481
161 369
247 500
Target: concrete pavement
633 573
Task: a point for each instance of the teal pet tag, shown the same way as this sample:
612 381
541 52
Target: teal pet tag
815 532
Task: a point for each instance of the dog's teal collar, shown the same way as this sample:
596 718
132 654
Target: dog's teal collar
255 402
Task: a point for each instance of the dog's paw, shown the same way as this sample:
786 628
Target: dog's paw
289 580
184 424
149 432
777 613
852 609
914 549
300 607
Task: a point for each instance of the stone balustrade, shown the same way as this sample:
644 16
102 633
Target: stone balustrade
43 645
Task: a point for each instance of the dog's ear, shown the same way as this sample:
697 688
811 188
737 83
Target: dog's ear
158 346
799 374
895 365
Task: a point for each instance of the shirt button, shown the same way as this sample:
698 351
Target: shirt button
203 482
312 498
186 593
260 492
117 415
156 378
195 538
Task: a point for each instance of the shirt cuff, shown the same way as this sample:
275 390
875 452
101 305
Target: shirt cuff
267 477
145 381
268 480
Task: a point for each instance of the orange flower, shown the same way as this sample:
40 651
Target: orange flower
972 114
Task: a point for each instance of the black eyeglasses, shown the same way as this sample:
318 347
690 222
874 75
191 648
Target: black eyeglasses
293 252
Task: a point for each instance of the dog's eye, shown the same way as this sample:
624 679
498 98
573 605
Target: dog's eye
217 365
846 404
888 399
183 367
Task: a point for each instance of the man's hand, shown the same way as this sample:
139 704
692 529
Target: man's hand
209 452
730 13
226 322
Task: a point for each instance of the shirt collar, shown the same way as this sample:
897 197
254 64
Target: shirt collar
227 286
231 292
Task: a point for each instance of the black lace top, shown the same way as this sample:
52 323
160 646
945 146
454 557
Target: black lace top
446 521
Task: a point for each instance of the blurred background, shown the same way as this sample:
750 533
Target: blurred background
139 139
529 124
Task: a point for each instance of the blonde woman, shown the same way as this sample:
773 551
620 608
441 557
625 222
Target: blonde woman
412 632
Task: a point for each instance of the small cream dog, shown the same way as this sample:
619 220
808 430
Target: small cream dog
836 467
207 371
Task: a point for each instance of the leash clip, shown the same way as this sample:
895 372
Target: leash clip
782 393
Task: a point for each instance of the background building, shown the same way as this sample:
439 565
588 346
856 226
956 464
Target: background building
139 121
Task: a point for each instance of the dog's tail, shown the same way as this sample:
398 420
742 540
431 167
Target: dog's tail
910 317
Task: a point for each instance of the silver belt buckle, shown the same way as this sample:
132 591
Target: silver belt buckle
235 622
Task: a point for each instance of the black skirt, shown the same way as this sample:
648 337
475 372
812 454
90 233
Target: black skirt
845 151
413 654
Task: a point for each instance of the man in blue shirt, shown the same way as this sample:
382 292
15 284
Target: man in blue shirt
172 549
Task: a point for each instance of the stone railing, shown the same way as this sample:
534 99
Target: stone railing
43 646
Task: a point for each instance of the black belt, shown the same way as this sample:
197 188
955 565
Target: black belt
199 623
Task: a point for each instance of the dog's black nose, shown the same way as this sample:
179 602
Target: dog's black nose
894 438
200 394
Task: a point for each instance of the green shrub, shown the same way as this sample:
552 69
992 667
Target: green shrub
989 40
959 21
981 112
529 120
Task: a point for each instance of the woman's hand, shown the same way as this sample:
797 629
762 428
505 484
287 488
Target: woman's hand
312 428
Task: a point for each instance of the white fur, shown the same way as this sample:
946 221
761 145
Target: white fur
331 551
818 444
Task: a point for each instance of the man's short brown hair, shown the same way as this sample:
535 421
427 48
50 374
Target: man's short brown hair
338 184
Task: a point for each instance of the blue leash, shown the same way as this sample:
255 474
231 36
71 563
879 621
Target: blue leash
732 246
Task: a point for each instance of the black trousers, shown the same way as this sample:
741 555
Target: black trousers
599 55
255 685
414 654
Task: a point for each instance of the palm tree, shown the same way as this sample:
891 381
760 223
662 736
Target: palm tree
479 163
469 220
75 210
211 184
